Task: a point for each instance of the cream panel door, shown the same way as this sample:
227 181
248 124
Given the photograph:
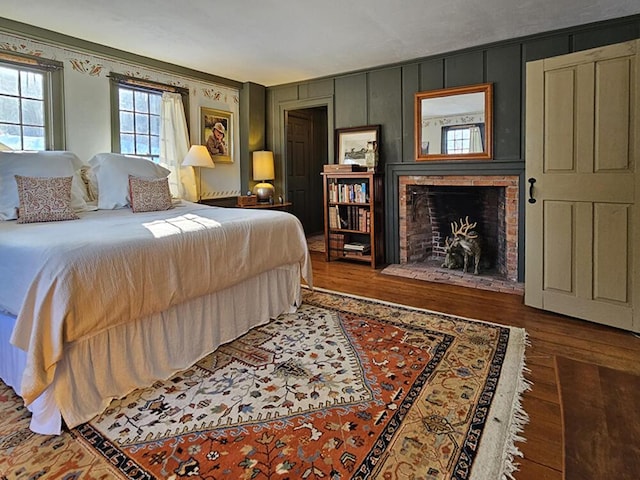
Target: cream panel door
582 252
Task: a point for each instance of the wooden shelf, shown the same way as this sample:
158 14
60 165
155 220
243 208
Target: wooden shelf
354 200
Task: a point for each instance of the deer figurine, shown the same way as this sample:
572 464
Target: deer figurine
467 239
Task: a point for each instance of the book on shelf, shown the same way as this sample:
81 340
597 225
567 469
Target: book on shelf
336 242
348 192
350 217
357 247
343 168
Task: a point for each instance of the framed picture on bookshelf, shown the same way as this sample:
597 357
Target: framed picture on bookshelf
358 145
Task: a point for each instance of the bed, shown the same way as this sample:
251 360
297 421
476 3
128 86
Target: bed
94 308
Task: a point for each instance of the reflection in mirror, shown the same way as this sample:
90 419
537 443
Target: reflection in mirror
454 123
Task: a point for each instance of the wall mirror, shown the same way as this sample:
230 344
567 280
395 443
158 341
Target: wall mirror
454 123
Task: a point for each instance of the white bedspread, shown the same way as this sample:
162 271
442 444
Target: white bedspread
69 280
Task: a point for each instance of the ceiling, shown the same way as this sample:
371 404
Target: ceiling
272 42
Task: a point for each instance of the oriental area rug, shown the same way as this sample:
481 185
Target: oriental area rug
345 388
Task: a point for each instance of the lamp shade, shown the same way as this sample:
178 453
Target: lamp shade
198 156
263 166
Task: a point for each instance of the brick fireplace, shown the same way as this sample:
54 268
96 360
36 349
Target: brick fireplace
429 203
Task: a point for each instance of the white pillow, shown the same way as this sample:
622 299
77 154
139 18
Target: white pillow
112 172
36 164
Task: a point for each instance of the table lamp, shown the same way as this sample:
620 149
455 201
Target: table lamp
198 157
263 170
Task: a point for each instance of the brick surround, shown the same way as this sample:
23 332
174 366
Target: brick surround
496 207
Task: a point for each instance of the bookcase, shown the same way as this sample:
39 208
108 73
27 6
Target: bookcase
353 217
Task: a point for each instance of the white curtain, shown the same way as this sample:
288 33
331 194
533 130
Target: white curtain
174 146
475 140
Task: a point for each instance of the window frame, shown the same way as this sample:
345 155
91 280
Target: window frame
53 93
451 128
147 86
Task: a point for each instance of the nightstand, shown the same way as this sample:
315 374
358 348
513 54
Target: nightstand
286 206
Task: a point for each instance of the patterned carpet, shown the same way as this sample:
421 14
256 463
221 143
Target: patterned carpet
343 388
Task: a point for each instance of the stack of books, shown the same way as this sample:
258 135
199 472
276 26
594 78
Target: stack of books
357 248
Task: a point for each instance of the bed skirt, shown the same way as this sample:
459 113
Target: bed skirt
96 369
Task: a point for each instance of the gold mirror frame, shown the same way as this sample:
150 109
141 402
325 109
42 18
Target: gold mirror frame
422 112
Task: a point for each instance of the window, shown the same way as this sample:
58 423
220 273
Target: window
461 139
139 115
136 106
458 140
29 110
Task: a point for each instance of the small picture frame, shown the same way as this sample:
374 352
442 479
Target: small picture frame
216 127
358 146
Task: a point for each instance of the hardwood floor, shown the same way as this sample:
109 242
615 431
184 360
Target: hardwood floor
550 335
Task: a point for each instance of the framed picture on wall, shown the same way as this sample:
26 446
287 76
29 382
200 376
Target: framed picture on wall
358 145
216 127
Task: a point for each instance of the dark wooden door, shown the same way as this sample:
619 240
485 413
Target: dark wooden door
306 153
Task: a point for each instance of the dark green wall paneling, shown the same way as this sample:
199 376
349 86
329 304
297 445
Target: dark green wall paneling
431 75
410 85
321 88
385 107
503 69
252 129
385 96
464 69
540 48
605 35
351 101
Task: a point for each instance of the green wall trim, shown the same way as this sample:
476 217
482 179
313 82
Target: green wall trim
59 39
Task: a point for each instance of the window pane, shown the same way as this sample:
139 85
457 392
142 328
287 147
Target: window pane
34 138
155 125
142 145
9 81
31 85
33 112
142 123
9 110
126 99
141 102
10 136
155 145
126 122
127 144
154 104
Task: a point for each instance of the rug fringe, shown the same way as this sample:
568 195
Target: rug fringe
519 420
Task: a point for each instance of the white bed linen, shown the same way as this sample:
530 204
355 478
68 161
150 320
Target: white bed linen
133 355
69 281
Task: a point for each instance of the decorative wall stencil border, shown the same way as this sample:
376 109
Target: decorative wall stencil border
218 96
453 120
20 48
85 66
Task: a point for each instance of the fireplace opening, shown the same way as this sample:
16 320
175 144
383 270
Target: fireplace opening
434 210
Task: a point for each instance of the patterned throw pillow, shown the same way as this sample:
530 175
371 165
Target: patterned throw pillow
149 194
44 199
